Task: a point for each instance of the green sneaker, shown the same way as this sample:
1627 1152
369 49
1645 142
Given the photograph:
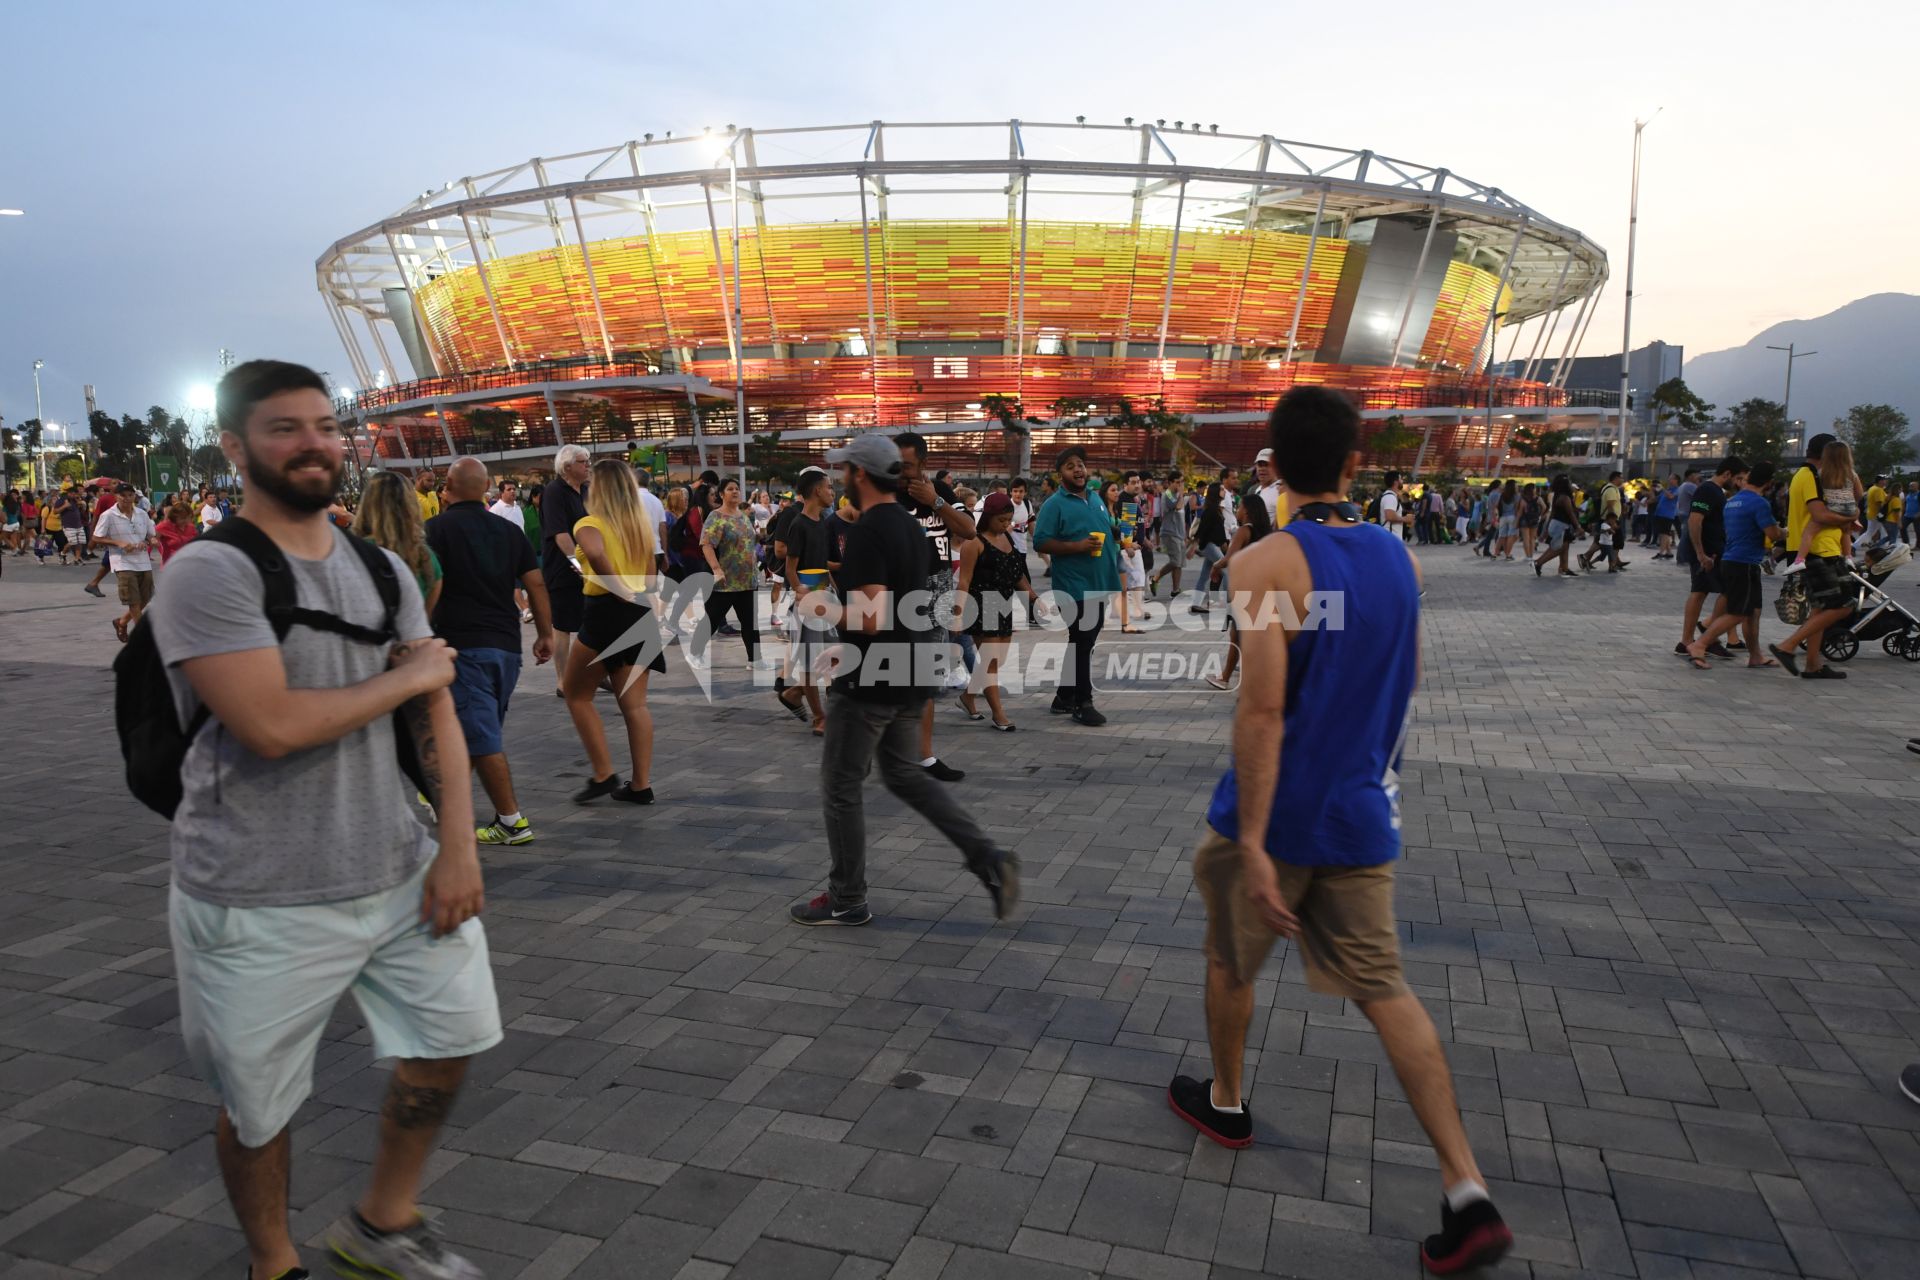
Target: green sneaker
496 832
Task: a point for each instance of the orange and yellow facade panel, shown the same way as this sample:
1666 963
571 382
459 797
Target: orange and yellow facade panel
948 280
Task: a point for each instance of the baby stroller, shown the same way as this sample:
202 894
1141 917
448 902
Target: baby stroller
1876 616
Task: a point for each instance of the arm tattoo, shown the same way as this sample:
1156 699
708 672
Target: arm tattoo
412 1106
419 714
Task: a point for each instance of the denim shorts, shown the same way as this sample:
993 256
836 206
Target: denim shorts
483 681
258 984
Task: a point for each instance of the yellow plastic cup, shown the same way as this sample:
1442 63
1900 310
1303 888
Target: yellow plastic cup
1099 543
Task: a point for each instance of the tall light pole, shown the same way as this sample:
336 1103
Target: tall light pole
1626 324
6 474
1786 404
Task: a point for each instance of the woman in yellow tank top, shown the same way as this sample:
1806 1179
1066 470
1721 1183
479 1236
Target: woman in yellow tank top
619 635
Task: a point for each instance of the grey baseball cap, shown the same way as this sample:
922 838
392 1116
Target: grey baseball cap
874 453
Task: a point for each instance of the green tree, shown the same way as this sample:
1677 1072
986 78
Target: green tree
1675 405
69 468
1393 437
117 441
1759 431
1540 445
768 460
1878 435
491 427
1016 431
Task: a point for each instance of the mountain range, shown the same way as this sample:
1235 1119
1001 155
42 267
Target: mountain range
1869 354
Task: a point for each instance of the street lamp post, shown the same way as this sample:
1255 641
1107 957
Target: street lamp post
1626 323
1786 404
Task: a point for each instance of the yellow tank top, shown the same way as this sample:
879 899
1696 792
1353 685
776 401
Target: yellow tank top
626 565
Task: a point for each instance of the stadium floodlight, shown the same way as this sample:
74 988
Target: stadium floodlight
200 396
13 213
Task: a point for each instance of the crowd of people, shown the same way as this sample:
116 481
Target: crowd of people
388 681
358 717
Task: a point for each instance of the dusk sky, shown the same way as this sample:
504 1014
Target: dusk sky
182 165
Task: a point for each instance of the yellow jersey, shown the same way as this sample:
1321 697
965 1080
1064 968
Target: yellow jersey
1875 503
429 505
1804 489
627 566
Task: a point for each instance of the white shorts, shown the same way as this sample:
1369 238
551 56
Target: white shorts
257 985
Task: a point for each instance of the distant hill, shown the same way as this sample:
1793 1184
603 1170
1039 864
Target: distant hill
1869 354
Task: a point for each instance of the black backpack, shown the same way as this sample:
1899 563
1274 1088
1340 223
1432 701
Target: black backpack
151 738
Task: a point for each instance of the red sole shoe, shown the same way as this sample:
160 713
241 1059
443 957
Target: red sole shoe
1235 1143
1482 1247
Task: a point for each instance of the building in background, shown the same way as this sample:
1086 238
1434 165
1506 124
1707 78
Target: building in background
999 287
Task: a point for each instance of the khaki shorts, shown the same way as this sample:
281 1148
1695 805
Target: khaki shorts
136 586
1347 935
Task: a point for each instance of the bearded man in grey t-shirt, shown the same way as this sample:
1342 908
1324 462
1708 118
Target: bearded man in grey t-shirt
300 869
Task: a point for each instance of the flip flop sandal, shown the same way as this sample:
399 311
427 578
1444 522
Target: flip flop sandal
120 629
1699 664
1008 727
1754 666
794 709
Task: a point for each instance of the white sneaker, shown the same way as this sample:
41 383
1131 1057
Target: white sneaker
414 1254
1797 566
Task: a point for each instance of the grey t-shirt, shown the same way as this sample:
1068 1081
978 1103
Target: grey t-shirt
332 822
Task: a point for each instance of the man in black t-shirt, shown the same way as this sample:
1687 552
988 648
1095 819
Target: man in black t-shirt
1705 534
484 557
934 504
885 676
563 504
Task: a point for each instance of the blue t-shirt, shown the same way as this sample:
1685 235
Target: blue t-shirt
1913 505
1746 517
1070 519
1349 685
1664 508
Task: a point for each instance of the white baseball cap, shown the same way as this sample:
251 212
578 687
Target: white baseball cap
1265 455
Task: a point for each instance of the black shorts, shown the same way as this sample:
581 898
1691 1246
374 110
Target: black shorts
1662 526
622 633
1706 582
1741 591
1828 586
563 596
1619 532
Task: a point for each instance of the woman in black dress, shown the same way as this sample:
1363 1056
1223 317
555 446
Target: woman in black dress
992 573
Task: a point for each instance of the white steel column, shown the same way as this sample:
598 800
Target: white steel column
380 345
739 329
1173 260
1020 324
1306 272
1592 311
446 433
593 285
1493 311
720 269
427 335
553 415
360 370
866 258
486 283
1413 287
653 234
1540 339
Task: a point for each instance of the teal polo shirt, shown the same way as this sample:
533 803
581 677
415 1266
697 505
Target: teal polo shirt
1071 519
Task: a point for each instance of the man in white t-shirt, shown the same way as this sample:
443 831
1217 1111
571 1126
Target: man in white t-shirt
129 531
656 516
210 514
1271 491
507 505
1393 507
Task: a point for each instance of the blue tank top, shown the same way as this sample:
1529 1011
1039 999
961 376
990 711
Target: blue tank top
1338 799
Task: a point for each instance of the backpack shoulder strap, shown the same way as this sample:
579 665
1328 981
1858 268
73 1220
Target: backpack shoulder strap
380 568
281 596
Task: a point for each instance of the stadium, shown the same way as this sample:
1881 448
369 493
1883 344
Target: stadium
1146 288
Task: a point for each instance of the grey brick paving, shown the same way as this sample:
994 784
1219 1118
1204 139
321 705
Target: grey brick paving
1667 921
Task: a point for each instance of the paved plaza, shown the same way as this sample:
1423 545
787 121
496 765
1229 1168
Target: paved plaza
1667 921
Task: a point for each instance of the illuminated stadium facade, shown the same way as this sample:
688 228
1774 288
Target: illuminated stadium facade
1122 285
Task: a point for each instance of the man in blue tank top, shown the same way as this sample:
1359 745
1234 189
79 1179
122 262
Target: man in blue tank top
1306 824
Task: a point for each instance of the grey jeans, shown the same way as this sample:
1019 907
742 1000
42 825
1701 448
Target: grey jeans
857 732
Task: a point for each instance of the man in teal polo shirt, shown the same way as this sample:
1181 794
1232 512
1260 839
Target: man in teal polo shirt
1073 528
